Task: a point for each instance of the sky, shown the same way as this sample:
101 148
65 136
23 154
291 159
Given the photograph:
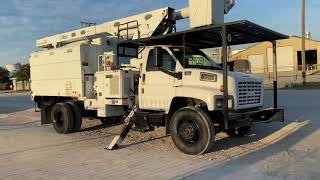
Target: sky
22 22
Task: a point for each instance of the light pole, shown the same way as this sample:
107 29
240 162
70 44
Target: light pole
303 43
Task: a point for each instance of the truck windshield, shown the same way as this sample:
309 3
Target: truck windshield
193 58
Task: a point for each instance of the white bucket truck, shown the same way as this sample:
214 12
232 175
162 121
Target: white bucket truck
91 72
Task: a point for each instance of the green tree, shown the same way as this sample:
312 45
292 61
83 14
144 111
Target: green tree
24 73
4 75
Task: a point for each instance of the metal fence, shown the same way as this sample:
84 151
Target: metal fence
286 78
21 85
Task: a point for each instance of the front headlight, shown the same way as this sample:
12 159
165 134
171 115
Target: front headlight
208 77
219 102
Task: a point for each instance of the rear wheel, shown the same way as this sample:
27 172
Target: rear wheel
192 130
62 118
77 115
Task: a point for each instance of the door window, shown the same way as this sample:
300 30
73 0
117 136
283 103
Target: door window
168 63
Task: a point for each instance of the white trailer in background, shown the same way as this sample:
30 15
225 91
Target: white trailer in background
139 64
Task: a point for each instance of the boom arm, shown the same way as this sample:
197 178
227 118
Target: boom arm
133 27
148 24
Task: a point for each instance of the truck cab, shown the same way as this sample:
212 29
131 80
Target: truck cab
172 74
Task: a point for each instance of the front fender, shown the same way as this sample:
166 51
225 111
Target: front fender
205 94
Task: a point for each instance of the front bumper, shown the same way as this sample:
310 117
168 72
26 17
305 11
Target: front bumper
241 119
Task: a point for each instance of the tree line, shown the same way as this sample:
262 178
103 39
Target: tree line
23 74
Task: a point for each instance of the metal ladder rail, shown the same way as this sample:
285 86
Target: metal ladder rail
127 28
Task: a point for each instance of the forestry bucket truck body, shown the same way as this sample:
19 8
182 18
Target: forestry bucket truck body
87 72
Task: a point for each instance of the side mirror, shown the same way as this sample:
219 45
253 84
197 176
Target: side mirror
158 56
179 75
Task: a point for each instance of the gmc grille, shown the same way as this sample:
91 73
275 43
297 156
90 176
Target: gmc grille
249 93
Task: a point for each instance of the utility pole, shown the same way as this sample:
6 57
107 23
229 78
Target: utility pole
303 42
225 75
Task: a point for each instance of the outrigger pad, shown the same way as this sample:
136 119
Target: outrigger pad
114 143
118 139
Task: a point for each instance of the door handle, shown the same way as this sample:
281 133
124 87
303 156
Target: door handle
143 77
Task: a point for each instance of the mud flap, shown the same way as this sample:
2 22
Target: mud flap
45 114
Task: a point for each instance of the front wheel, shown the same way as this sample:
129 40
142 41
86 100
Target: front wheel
192 131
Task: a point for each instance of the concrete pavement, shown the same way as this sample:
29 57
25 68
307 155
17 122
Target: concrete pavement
272 151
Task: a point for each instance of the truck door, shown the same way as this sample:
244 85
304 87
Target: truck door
156 87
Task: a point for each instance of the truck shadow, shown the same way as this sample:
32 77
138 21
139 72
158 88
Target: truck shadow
143 141
224 142
100 126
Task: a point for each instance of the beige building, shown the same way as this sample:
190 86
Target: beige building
260 56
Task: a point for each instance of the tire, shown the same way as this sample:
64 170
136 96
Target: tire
62 118
77 116
192 131
239 132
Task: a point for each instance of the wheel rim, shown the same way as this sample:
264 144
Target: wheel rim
188 131
58 118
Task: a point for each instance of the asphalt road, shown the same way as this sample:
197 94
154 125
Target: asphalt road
14 103
272 151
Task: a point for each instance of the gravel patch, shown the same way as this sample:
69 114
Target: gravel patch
224 148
